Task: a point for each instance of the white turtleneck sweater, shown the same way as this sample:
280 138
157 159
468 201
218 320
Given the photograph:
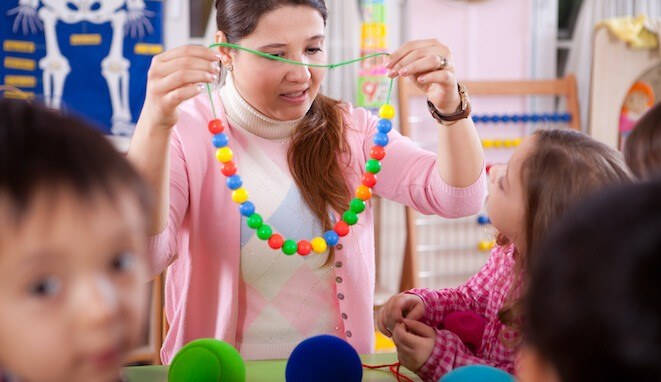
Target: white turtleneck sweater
282 299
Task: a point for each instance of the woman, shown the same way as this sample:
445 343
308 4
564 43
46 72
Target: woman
300 153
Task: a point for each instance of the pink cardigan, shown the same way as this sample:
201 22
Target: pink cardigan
201 243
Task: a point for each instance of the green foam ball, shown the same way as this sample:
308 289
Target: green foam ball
207 360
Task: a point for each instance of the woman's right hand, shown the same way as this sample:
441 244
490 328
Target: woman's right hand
175 76
398 307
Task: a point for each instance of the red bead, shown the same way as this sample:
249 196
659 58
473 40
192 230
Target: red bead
276 241
369 179
304 247
215 126
341 228
488 169
377 152
229 169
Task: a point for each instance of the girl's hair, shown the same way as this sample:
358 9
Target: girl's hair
642 148
42 150
313 155
564 167
592 309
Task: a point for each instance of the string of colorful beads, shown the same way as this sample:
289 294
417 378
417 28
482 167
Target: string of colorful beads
330 238
522 118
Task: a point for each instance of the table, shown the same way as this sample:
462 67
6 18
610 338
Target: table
273 371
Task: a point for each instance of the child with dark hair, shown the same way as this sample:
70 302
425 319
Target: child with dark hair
73 240
642 149
593 309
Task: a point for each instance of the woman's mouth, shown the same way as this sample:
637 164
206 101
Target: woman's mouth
295 97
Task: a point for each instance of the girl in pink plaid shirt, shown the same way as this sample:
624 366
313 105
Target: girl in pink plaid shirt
478 323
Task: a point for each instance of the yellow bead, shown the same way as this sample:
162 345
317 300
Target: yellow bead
484 245
387 111
224 154
498 143
510 143
239 195
319 245
487 143
517 142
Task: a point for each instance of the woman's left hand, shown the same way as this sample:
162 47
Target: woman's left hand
415 342
429 65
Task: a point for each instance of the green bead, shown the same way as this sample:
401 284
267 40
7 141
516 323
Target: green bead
373 166
357 205
350 217
289 247
255 221
264 232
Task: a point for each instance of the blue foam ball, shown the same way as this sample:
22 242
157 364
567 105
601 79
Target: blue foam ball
234 182
247 208
480 373
220 140
324 358
380 139
384 126
331 238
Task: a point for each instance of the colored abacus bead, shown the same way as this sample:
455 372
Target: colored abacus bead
350 217
357 205
289 247
264 232
387 111
276 241
373 166
304 248
216 126
377 152
482 220
255 221
363 192
331 238
341 228
380 139
239 195
234 182
247 208
369 179
220 140
318 245
229 169
224 154
384 126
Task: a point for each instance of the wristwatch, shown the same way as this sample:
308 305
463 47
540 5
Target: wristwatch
463 111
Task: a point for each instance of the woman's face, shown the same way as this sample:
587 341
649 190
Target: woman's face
279 90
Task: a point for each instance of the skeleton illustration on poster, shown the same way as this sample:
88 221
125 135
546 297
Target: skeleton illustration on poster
90 57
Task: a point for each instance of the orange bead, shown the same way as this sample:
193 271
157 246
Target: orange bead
363 192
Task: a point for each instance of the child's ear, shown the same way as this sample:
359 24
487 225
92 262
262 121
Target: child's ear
531 367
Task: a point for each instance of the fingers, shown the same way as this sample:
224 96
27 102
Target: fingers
405 49
177 96
419 329
416 310
163 69
380 322
188 51
180 79
445 78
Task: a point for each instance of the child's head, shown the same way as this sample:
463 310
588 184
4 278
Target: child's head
642 148
73 229
547 174
593 309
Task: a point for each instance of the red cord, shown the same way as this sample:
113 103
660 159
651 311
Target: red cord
394 368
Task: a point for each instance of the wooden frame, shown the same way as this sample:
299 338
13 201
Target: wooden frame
565 87
150 353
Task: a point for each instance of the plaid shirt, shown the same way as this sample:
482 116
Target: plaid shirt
484 294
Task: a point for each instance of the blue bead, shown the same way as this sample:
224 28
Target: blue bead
482 220
220 140
555 117
380 139
247 208
234 182
384 126
535 118
505 118
525 118
566 117
484 118
494 118
475 118
516 118
331 238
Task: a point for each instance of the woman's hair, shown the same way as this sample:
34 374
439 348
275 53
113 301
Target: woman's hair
564 167
42 150
313 156
642 148
593 307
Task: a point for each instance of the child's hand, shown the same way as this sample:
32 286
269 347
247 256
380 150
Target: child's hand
415 341
175 76
396 308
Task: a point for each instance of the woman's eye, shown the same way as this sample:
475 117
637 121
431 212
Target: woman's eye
314 50
277 54
122 262
45 287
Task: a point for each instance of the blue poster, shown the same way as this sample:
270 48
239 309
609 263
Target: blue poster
88 57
